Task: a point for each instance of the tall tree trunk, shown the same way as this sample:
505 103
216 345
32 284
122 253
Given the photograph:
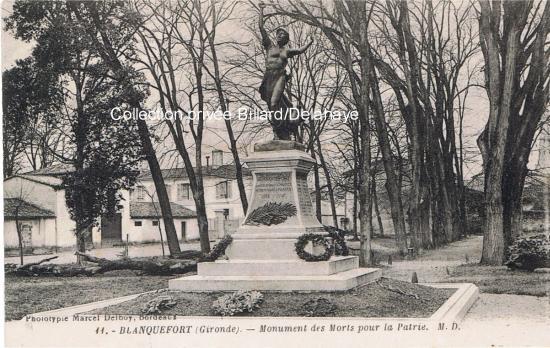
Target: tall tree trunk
377 208
364 199
224 106
110 57
355 212
19 234
365 148
356 168
318 209
160 187
238 167
329 184
394 192
501 56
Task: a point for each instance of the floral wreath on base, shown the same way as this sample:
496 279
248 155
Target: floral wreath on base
315 239
218 249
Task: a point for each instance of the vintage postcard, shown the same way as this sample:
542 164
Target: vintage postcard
294 173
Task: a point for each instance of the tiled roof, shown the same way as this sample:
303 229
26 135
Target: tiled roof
226 171
51 176
23 209
52 181
56 169
149 210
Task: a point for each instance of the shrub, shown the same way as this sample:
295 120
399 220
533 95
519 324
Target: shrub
318 307
9 268
529 253
237 302
158 304
339 238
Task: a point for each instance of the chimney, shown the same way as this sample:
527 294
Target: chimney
217 158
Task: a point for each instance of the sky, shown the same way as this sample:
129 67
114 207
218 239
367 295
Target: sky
475 117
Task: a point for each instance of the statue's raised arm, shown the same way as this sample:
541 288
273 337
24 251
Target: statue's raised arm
275 77
266 42
292 52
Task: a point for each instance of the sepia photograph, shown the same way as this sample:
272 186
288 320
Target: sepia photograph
293 173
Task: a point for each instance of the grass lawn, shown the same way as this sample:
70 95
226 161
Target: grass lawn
499 280
384 298
27 295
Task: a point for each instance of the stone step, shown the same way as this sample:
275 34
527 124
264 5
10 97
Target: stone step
336 264
335 282
262 249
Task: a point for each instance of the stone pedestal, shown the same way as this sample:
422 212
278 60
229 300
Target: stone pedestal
280 207
262 255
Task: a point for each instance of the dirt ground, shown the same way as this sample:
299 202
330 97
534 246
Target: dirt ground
384 298
431 266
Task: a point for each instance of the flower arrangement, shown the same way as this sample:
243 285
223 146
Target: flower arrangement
237 302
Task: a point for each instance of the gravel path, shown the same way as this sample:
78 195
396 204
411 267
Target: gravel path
432 265
494 319
506 321
504 307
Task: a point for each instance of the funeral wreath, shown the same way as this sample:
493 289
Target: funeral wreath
316 239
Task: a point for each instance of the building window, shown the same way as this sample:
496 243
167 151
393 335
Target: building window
137 223
155 222
183 192
223 190
140 193
217 158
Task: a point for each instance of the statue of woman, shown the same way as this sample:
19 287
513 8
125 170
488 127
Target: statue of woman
275 77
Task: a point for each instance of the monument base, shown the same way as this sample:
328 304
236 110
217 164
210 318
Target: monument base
340 273
262 255
278 267
340 281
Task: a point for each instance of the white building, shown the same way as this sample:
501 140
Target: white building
221 193
45 220
37 201
44 217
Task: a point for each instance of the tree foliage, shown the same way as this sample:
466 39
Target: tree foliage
30 93
104 151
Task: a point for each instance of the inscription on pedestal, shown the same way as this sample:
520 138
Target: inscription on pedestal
303 194
273 200
274 187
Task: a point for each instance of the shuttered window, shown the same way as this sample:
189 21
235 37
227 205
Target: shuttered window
223 190
183 192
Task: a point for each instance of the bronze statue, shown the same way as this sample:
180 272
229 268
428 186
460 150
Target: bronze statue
275 79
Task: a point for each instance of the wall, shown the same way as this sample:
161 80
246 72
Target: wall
213 203
43 231
57 232
65 225
233 203
149 233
